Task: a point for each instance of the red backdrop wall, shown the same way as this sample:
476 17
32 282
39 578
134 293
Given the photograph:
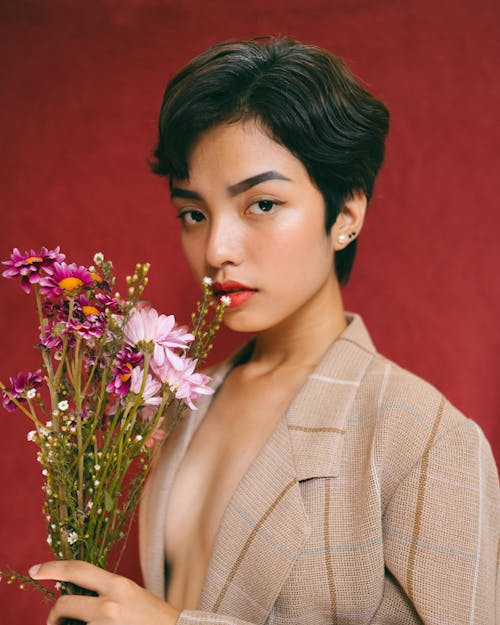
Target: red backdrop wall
80 92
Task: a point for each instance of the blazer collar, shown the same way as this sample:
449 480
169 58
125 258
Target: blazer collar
317 417
265 520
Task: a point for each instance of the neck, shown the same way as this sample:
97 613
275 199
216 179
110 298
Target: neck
302 339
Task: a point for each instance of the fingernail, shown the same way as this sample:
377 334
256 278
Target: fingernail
34 570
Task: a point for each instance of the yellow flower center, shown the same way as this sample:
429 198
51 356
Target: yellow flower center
70 284
34 259
126 376
89 310
96 277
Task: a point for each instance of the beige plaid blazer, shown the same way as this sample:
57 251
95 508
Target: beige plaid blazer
374 501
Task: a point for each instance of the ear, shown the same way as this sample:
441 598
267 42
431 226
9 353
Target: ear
349 221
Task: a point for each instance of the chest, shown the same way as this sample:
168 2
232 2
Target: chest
221 451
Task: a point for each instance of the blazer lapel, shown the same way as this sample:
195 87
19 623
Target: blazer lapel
265 525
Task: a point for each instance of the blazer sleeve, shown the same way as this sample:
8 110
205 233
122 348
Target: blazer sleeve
189 617
441 535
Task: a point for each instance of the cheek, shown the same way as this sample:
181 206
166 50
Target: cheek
296 242
193 253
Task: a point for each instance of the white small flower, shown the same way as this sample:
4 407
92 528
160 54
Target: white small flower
90 503
31 435
96 482
31 393
138 437
49 493
45 472
63 405
207 280
58 354
49 424
98 258
97 467
53 526
49 539
226 300
72 538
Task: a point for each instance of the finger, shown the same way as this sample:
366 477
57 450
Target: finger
78 572
85 609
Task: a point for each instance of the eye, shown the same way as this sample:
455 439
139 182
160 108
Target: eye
262 206
190 217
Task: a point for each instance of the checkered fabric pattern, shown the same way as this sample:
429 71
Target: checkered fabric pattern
374 501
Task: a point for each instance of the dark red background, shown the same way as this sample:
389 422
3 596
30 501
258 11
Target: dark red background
81 85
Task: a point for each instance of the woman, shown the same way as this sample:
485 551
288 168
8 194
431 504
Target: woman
321 483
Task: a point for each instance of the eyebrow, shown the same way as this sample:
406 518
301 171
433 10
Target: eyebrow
234 189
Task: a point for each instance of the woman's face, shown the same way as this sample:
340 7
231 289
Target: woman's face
251 215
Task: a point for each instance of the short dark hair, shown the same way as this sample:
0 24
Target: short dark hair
304 98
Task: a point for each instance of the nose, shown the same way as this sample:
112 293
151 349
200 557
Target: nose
224 245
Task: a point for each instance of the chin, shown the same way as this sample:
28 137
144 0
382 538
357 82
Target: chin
243 323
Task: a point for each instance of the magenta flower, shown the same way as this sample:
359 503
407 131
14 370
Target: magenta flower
64 279
91 328
55 331
20 385
86 308
126 361
152 387
112 303
31 265
186 384
146 327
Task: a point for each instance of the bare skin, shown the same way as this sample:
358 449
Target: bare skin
270 237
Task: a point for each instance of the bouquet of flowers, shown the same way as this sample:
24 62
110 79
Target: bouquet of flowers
115 378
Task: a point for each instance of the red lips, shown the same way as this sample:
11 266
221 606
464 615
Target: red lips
238 293
228 287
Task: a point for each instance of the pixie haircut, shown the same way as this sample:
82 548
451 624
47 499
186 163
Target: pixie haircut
302 97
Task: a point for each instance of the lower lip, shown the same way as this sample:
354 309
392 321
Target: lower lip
238 298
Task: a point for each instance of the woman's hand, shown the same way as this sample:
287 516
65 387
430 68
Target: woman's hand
120 601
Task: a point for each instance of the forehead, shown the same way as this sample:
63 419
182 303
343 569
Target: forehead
233 152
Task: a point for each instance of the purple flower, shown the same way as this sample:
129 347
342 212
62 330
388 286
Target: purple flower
126 361
186 384
64 279
19 386
31 265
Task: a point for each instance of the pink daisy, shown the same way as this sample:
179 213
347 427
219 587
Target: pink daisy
64 279
145 327
31 265
186 384
150 396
